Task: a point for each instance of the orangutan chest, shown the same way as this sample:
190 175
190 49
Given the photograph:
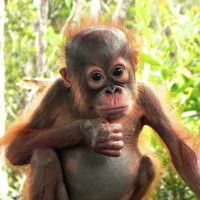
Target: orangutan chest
91 176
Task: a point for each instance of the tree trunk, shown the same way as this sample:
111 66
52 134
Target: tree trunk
40 27
121 10
2 78
3 175
74 17
95 10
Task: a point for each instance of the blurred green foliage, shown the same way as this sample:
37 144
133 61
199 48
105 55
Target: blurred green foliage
170 58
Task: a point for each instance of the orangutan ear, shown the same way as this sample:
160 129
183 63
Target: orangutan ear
66 77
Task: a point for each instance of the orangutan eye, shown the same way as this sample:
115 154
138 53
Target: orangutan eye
118 71
96 79
96 76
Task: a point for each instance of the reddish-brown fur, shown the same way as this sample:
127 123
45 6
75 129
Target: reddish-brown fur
65 128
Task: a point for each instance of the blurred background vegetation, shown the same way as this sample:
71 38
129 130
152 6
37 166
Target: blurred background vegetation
169 58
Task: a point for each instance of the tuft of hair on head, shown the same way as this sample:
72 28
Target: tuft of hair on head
72 29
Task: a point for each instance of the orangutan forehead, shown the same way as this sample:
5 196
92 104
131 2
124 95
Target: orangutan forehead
107 31
97 44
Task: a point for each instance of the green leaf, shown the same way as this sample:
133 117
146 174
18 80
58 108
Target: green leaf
68 3
165 73
3 197
144 10
146 58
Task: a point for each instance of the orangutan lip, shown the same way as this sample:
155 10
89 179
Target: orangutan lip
112 109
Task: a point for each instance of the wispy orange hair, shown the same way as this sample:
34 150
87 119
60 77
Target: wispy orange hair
72 29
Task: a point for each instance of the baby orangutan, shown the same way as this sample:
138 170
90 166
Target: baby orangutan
82 140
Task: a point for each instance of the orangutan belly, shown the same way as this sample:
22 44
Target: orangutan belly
92 176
